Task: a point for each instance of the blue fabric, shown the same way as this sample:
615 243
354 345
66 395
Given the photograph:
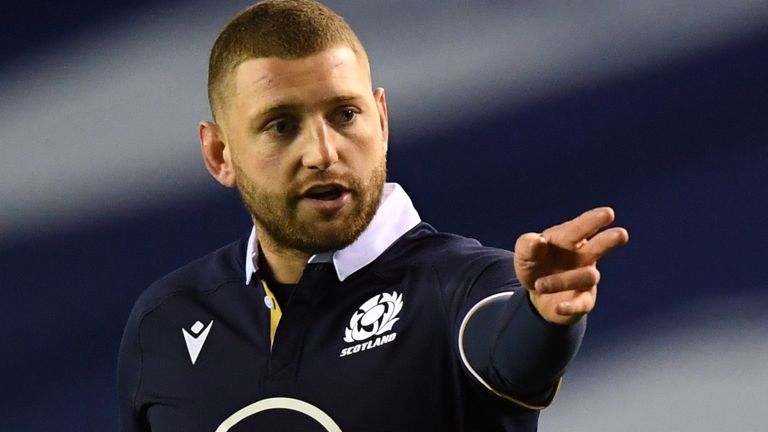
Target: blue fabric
517 351
407 377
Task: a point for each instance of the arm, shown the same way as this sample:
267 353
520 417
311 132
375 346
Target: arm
513 352
518 344
128 379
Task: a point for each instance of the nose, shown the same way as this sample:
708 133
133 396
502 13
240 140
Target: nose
320 152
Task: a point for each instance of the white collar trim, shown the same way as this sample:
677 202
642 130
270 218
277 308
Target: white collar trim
394 217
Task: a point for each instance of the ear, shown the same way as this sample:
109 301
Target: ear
381 104
216 153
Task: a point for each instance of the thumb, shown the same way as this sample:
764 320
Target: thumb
530 249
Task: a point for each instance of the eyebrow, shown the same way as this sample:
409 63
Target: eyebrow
288 107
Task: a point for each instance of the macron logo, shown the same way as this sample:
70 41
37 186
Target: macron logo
195 343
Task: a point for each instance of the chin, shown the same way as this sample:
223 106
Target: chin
332 240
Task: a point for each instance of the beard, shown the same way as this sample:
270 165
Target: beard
277 213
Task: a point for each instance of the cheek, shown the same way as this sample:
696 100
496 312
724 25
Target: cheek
369 143
259 159
364 155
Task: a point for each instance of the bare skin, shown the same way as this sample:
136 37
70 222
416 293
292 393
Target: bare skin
559 265
295 123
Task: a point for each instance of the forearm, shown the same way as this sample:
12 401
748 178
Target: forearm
514 350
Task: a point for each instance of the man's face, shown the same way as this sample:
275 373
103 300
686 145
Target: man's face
307 139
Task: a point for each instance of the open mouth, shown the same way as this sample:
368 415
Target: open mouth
325 193
327 198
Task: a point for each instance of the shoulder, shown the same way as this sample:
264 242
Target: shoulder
459 271
177 290
446 253
426 242
199 277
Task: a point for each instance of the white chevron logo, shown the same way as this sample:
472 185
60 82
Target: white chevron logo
195 343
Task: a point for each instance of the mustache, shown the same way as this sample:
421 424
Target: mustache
346 180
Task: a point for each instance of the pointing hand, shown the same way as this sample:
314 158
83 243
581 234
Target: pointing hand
559 266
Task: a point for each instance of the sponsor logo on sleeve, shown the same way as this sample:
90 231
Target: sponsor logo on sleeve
196 339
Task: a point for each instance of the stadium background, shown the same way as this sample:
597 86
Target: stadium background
507 116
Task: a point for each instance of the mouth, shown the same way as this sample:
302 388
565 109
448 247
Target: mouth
326 198
328 192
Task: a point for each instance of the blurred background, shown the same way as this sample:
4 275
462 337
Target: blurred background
506 117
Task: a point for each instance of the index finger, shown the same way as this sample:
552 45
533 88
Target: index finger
602 244
571 233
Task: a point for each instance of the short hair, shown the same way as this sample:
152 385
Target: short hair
286 29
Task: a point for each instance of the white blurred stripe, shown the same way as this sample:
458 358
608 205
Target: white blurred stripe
700 368
108 123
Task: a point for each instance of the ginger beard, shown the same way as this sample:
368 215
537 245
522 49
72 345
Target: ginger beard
276 214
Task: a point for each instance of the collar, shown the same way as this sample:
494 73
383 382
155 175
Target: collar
395 217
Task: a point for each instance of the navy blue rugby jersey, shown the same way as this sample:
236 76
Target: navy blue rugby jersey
406 329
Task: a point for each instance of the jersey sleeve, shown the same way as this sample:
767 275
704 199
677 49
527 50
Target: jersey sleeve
506 345
129 378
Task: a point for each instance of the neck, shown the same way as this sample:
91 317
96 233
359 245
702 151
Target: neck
286 265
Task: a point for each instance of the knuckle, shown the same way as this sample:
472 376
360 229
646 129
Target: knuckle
595 274
524 264
527 241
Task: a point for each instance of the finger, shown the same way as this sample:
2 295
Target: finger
584 303
571 233
530 251
602 244
530 248
578 279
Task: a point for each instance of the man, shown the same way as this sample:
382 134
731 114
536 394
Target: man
342 310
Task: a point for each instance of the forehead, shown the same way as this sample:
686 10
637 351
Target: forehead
261 82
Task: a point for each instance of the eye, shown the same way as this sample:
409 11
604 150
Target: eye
282 127
346 115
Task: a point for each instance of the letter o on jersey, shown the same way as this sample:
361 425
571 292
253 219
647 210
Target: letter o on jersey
280 403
